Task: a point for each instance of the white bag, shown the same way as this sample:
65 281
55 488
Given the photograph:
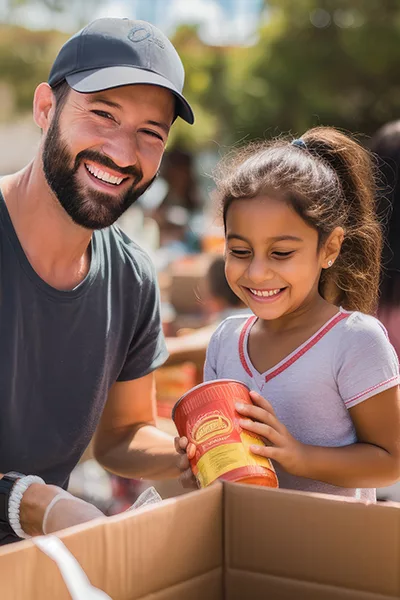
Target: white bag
74 576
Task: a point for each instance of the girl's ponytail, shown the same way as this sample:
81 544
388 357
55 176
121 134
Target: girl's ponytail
354 278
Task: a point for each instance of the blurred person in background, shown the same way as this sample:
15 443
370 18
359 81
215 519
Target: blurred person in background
178 199
182 192
219 302
80 330
386 145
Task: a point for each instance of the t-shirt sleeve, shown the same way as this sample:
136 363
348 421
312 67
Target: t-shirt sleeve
147 350
367 363
210 365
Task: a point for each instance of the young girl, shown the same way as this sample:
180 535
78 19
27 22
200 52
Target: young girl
303 251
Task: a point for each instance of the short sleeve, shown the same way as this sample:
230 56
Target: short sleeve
210 365
147 350
367 363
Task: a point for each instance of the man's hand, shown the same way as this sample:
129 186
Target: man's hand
65 513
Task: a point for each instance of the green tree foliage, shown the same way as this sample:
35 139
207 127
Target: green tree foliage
316 62
331 62
25 59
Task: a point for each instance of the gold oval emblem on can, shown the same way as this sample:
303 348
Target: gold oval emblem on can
211 425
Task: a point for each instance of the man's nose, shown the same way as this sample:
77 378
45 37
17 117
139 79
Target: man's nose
122 150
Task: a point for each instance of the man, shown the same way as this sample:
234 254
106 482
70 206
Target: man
80 331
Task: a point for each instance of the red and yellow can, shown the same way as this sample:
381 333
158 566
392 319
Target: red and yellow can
206 415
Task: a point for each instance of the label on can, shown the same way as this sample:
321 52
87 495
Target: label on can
222 447
207 417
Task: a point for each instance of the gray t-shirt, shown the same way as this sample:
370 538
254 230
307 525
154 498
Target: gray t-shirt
347 361
62 351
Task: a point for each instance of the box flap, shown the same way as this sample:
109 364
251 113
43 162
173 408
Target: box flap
129 556
313 537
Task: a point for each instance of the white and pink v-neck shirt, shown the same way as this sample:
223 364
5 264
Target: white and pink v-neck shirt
347 361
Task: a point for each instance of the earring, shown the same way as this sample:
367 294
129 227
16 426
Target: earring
330 263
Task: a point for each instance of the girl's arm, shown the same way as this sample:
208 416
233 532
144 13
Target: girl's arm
372 462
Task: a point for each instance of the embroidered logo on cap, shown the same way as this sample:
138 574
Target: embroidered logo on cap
140 33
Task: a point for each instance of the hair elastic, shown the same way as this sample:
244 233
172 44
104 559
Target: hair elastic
299 143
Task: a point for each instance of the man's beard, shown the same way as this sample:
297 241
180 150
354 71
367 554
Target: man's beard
86 207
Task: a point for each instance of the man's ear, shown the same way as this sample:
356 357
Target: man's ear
44 104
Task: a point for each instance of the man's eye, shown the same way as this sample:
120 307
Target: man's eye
153 134
104 114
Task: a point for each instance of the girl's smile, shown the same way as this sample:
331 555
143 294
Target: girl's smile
273 259
265 295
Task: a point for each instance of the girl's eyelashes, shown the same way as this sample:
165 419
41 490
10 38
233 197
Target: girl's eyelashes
283 254
239 253
246 253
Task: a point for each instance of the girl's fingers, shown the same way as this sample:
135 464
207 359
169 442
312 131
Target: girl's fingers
266 451
188 480
261 416
256 413
183 462
181 444
265 431
190 450
260 401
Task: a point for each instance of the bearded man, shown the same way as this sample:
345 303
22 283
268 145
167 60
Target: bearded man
80 330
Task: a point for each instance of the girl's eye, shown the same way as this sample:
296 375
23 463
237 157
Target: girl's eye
240 253
283 254
103 114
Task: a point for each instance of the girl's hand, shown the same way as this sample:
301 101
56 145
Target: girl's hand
187 452
281 445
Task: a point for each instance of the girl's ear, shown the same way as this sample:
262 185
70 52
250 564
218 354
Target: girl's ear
332 247
43 106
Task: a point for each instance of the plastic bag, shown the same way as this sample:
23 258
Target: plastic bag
74 576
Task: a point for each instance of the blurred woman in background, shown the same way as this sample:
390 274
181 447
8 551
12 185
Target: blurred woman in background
386 145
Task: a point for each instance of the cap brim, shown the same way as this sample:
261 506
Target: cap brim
96 80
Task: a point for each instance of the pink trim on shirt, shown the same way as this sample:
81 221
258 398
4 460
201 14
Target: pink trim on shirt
286 364
245 327
371 389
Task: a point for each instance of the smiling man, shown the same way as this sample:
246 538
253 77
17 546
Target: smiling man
80 331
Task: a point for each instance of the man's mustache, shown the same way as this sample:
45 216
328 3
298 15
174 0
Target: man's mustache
106 162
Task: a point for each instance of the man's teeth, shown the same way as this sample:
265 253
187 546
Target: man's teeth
265 293
103 175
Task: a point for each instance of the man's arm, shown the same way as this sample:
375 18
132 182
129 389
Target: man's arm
66 513
127 441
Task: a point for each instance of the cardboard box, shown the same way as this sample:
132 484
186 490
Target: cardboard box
229 542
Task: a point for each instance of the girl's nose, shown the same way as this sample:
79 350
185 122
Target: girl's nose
259 271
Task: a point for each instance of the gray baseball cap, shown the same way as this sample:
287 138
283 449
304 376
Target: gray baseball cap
110 53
